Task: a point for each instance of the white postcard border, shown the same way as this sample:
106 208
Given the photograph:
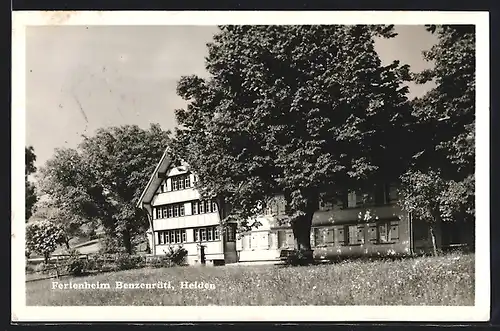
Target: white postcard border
479 312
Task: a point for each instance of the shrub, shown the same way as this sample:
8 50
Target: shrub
159 262
126 261
75 265
299 257
177 256
40 267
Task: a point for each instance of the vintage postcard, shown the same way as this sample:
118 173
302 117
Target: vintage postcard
250 166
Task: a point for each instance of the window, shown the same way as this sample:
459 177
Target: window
231 232
341 235
323 236
394 232
388 232
318 237
352 235
372 233
382 233
169 211
206 234
264 241
361 234
204 206
281 238
172 236
181 182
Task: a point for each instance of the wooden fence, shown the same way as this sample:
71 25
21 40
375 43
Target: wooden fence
57 265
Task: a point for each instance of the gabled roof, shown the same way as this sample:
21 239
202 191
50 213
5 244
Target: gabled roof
155 180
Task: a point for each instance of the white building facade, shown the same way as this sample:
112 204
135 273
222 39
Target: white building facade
180 217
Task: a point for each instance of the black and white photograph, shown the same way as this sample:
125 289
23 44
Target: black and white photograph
237 166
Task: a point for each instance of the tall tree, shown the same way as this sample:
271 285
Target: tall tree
102 179
298 110
444 130
30 195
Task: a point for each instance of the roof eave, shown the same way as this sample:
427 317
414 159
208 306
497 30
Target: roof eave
151 181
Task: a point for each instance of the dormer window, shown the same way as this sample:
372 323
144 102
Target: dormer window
181 182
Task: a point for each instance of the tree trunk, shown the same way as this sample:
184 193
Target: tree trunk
302 234
433 238
66 242
127 241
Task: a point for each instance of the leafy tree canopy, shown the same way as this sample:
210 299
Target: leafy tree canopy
43 237
102 179
444 131
297 110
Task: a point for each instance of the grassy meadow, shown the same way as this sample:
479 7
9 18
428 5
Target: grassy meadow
446 280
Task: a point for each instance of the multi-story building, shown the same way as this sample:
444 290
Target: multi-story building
363 223
178 216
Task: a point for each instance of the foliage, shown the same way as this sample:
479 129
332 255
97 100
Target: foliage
439 281
297 110
127 261
446 114
101 180
40 268
443 131
43 237
176 255
110 244
67 221
422 192
30 168
75 265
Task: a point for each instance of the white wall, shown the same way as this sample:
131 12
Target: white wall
186 221
213 250
175 196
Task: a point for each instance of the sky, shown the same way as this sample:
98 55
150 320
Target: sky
79 78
